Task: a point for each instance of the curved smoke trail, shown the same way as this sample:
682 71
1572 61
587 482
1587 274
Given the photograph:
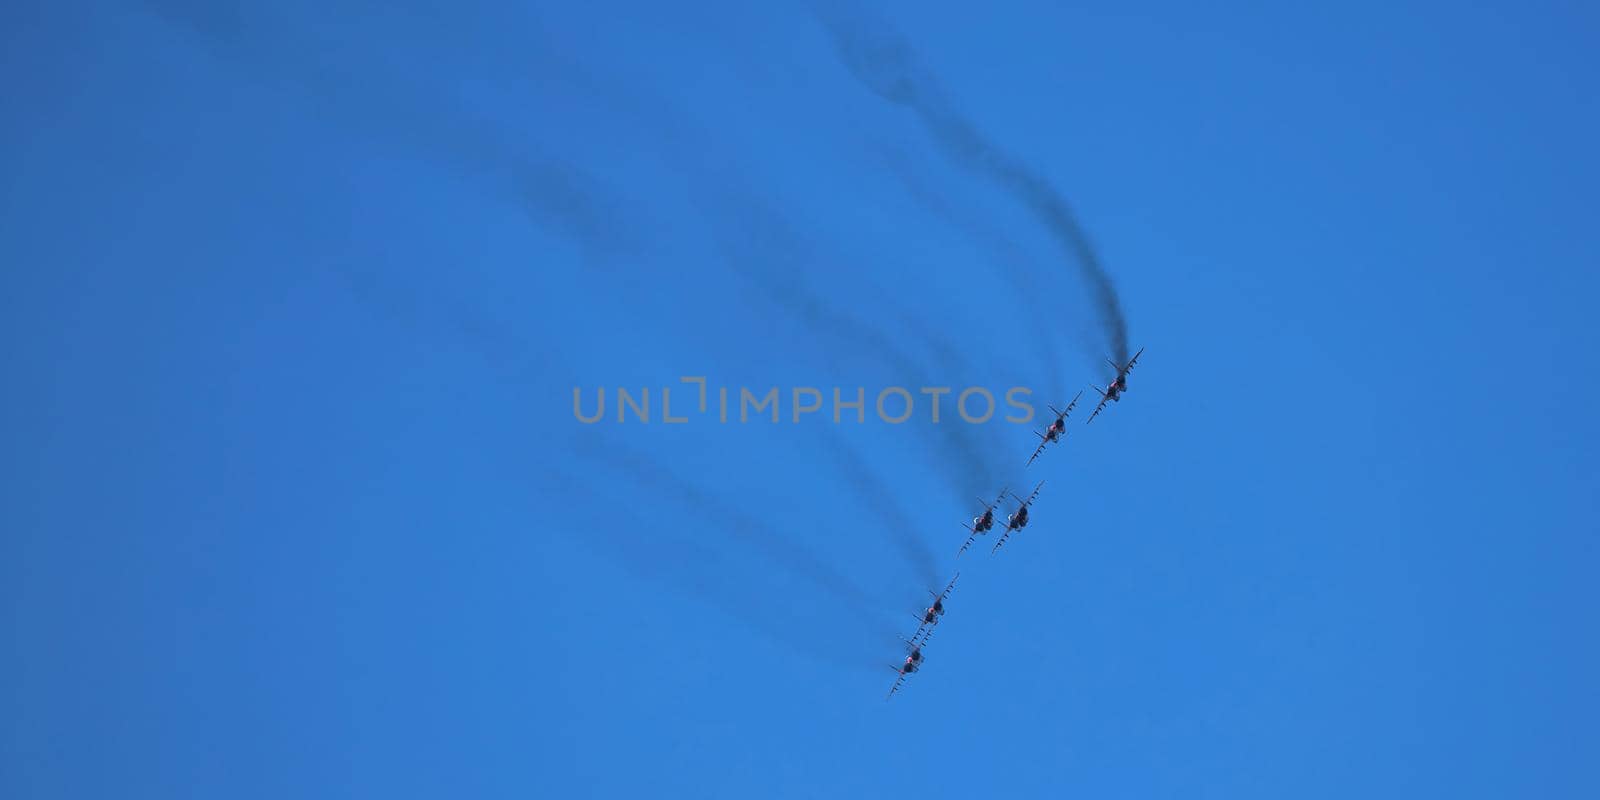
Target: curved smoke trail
885 63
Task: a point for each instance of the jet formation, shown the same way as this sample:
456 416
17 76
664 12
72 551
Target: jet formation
1018 519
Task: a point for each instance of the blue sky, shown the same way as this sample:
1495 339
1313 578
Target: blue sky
295 301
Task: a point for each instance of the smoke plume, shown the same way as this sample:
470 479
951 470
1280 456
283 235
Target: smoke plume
881 499
885 63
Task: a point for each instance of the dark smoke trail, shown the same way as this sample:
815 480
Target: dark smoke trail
498 345
687 566
885 64
1029 289
873 494
386 106
646 552
968 465
723 515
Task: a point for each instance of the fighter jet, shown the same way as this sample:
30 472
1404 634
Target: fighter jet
1117 387
981 523
1019 518
930 615
1057 429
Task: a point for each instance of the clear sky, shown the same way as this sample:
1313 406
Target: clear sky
293 302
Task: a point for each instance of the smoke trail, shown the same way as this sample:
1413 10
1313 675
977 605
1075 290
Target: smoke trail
968 465
500 345
1029 289
385 105
873 494
710 578
495 343
885 63
645 550
716 512
557 194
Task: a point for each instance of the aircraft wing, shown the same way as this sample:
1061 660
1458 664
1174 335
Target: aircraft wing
1001 541
1033 496
1132 361
920 638
972 537
896 686
967 544
946 593
1040 449
922 628
1072 404
1098 409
